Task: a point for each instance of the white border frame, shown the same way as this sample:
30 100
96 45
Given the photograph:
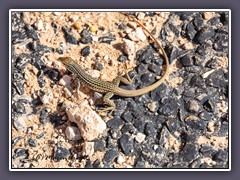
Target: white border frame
115 10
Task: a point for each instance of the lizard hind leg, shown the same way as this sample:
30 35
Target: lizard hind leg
107 101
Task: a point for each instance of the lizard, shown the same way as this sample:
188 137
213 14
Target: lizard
112 88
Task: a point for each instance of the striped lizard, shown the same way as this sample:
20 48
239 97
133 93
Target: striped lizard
112 88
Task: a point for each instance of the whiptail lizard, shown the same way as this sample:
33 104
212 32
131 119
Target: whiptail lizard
111 88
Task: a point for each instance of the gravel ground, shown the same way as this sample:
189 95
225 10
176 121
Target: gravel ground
181 124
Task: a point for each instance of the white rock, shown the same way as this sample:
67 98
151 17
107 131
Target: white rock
120 159
72 133
39 25
88 149
140 137
137 35
57 13
74 18
20 122
90 124
128 46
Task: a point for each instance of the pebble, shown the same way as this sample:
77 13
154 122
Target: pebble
110 156
120 159
107 39
20 122
204 34
140 137
137 35
20 152
65 80
57 13
85 51
129 47
73 18
88 149
72 133
208 15
153 106
126 144
89 122
193 106
187 61
60 153
32 142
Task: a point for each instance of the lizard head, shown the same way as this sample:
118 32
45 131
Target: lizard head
65 60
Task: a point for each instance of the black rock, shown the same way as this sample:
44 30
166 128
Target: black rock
189 152
139 123
148 78
174 29
150 129
99 145
15 140
127 116
122 58
154 69
169 106
145 55
34 46
68 36
99 66
41 81
20 152
207 151
172 52
60 153
85 51
39 64
206 116
197 125
54 75
190 30
110 156
32 142
126 144
197 81
221 156
97 164
187 60
88 164
86 39
31 32
204 34
128 128
107 39
44 117
198 22
115 123
41 135
19 106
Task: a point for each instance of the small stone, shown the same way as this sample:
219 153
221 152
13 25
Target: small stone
137 35
122 58
189 152
20 152
210 126
89 122
204 34
115 123
57 13
85 51
208 15
206 74
126 143
32 142
39 25
109 156
72 133
107 39
193 106
65 80
73 18
140 15
76 25
153 106
187 61
190 30
129 47
88 149
93 28
140 137
20 122
120 159
132 25
60 153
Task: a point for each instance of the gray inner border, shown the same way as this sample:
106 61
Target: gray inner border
11 4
